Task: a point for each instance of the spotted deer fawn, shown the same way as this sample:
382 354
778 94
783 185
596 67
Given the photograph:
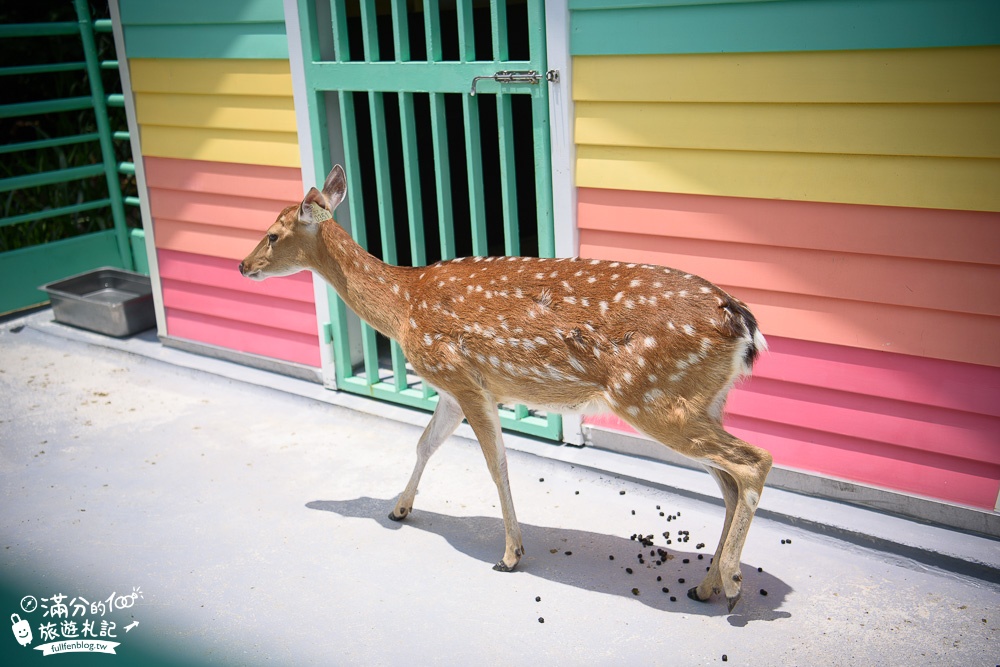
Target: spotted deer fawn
658 347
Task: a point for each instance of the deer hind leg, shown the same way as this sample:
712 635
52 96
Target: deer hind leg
746 468
737 466
481 413
712 583
447 416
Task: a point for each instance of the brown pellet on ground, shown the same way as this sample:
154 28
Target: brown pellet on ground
569 553
673 599
701 556
763 592
611 557
577 493
541 620
665 589
538 598
760 569
686 561
621 493
681 580
541 479
629 570
725 658
635 591
659 578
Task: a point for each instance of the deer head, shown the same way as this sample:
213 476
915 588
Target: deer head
290 244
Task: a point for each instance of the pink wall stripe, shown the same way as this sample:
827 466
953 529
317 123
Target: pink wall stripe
244 337
237 180
223 273
207 216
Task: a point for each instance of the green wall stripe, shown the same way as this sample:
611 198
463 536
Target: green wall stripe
232 40
787 25
192 12
200 29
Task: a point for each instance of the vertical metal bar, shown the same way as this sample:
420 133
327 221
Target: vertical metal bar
341 43
104 130
387 222
412 176
498 16
358 227
442 176
400 31
474 167
432 30
540 132
508 175
369 30
466 31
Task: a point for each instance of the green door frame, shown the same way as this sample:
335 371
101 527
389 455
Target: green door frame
332 79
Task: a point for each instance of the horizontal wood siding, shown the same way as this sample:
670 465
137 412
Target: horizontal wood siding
896 128
197 29
818 160
207 217
237 111
683 26
213 98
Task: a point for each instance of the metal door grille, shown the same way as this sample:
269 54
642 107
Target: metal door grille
433 172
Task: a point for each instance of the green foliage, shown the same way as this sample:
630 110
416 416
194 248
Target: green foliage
35 87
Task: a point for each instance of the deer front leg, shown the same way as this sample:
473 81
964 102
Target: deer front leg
446 418
481 413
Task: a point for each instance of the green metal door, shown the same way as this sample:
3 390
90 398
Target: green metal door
439 111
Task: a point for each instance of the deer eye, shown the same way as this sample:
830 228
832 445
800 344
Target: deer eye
272 238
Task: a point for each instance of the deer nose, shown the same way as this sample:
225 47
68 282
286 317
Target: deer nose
243 270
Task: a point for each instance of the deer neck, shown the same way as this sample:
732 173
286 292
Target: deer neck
370 287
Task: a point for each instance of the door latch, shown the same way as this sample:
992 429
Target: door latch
517 76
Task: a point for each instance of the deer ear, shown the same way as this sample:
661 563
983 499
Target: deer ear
335 187
314 209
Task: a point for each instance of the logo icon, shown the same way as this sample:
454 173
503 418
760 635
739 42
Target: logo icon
22 630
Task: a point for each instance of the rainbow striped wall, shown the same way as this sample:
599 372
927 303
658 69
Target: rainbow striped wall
213 99
837 166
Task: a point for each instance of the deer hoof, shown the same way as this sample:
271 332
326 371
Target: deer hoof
503 567
732 602
693 594
392 515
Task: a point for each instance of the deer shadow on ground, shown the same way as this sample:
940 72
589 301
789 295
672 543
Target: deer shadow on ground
582 559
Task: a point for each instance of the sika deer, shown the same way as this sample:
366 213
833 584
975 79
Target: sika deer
658 347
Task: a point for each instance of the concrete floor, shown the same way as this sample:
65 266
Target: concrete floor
253 523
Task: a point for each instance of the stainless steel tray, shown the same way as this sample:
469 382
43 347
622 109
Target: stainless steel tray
107 300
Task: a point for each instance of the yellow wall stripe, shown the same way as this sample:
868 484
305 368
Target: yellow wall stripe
233 112
955 183
279 149
878 76
946 130
211 77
